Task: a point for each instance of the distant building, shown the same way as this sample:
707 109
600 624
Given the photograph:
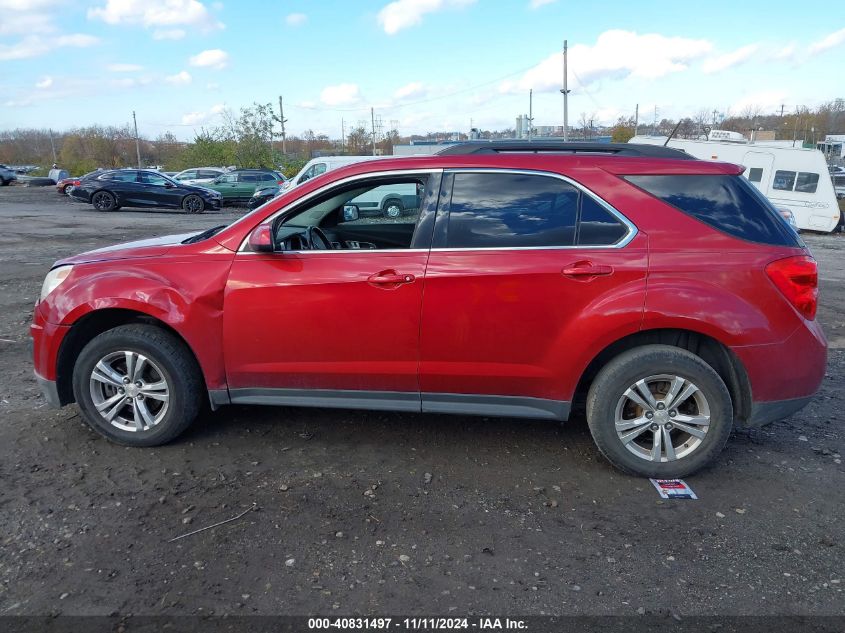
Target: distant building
833 146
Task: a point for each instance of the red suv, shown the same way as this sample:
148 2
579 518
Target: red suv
662 293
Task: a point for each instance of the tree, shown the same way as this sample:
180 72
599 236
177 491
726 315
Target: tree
623 131
358 141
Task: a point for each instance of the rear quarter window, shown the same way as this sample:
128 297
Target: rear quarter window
729 204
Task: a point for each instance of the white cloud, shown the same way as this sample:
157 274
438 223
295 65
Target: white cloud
402 14
728 60
296 19
767 101
616 53
212 58
179 79
831 41
536 4
413 89
169 34
156 13
124 68
18 23
212 85
786 53
37 45
201 117
341 94
44 83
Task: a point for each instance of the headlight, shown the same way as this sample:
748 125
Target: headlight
53 279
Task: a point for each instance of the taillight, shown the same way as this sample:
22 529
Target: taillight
798 279
76 183
280 182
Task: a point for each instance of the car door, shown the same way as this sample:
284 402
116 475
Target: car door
158 191
227 186
333 327
246 186
523 278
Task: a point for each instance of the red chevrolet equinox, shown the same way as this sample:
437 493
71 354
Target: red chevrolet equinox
663 295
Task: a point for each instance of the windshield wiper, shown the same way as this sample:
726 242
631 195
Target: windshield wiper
199 237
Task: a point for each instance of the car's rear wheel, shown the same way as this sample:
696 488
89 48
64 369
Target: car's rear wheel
393 208
104 201
4 182
137 385
193 204
659 411
66 189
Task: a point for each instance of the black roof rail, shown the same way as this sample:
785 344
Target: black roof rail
564 147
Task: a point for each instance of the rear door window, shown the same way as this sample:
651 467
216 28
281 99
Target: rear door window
496 210
597 226
727 203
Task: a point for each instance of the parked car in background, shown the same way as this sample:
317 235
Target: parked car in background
238 186
264 195
7 175
66 184
516 288
317 166
110 190
198 175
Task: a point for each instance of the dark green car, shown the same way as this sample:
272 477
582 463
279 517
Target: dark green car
239 185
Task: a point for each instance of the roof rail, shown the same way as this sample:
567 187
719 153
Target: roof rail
564 147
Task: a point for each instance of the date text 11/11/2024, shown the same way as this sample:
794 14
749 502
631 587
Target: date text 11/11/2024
416 624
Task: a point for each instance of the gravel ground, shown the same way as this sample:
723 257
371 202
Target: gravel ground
379 513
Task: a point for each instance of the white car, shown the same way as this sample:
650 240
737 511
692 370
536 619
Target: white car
317 166
198 175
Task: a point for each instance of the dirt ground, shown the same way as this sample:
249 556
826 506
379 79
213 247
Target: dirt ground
488 515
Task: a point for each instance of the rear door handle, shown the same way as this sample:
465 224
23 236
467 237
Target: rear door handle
390 277
586 269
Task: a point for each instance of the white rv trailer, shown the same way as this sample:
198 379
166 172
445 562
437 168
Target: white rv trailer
791 177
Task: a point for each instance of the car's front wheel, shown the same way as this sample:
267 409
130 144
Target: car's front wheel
659 411
104 201
193 204
137 385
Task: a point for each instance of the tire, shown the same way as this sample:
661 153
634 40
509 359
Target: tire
392 208
4 183
104 201
66 188
161 409
658 366
193 204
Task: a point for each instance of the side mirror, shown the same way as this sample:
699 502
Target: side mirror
169 185
351 212
261 239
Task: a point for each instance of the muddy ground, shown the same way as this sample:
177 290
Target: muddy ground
494 515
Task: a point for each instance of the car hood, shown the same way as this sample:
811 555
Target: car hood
153 247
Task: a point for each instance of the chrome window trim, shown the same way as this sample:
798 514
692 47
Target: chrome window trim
632 229
321 190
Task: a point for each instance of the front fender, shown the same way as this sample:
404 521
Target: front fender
186 296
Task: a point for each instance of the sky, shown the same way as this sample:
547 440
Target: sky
422 65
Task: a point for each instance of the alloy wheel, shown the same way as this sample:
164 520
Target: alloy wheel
662 418
130 391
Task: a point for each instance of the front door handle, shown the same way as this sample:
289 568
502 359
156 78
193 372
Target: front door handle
390 278
586 269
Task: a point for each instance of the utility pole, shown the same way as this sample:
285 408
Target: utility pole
782 106
137 143
565 92
530 112
281 119
373 120
342 134
714 118
52 146
654 125
636 118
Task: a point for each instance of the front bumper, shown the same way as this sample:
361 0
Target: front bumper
50 391
214 203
